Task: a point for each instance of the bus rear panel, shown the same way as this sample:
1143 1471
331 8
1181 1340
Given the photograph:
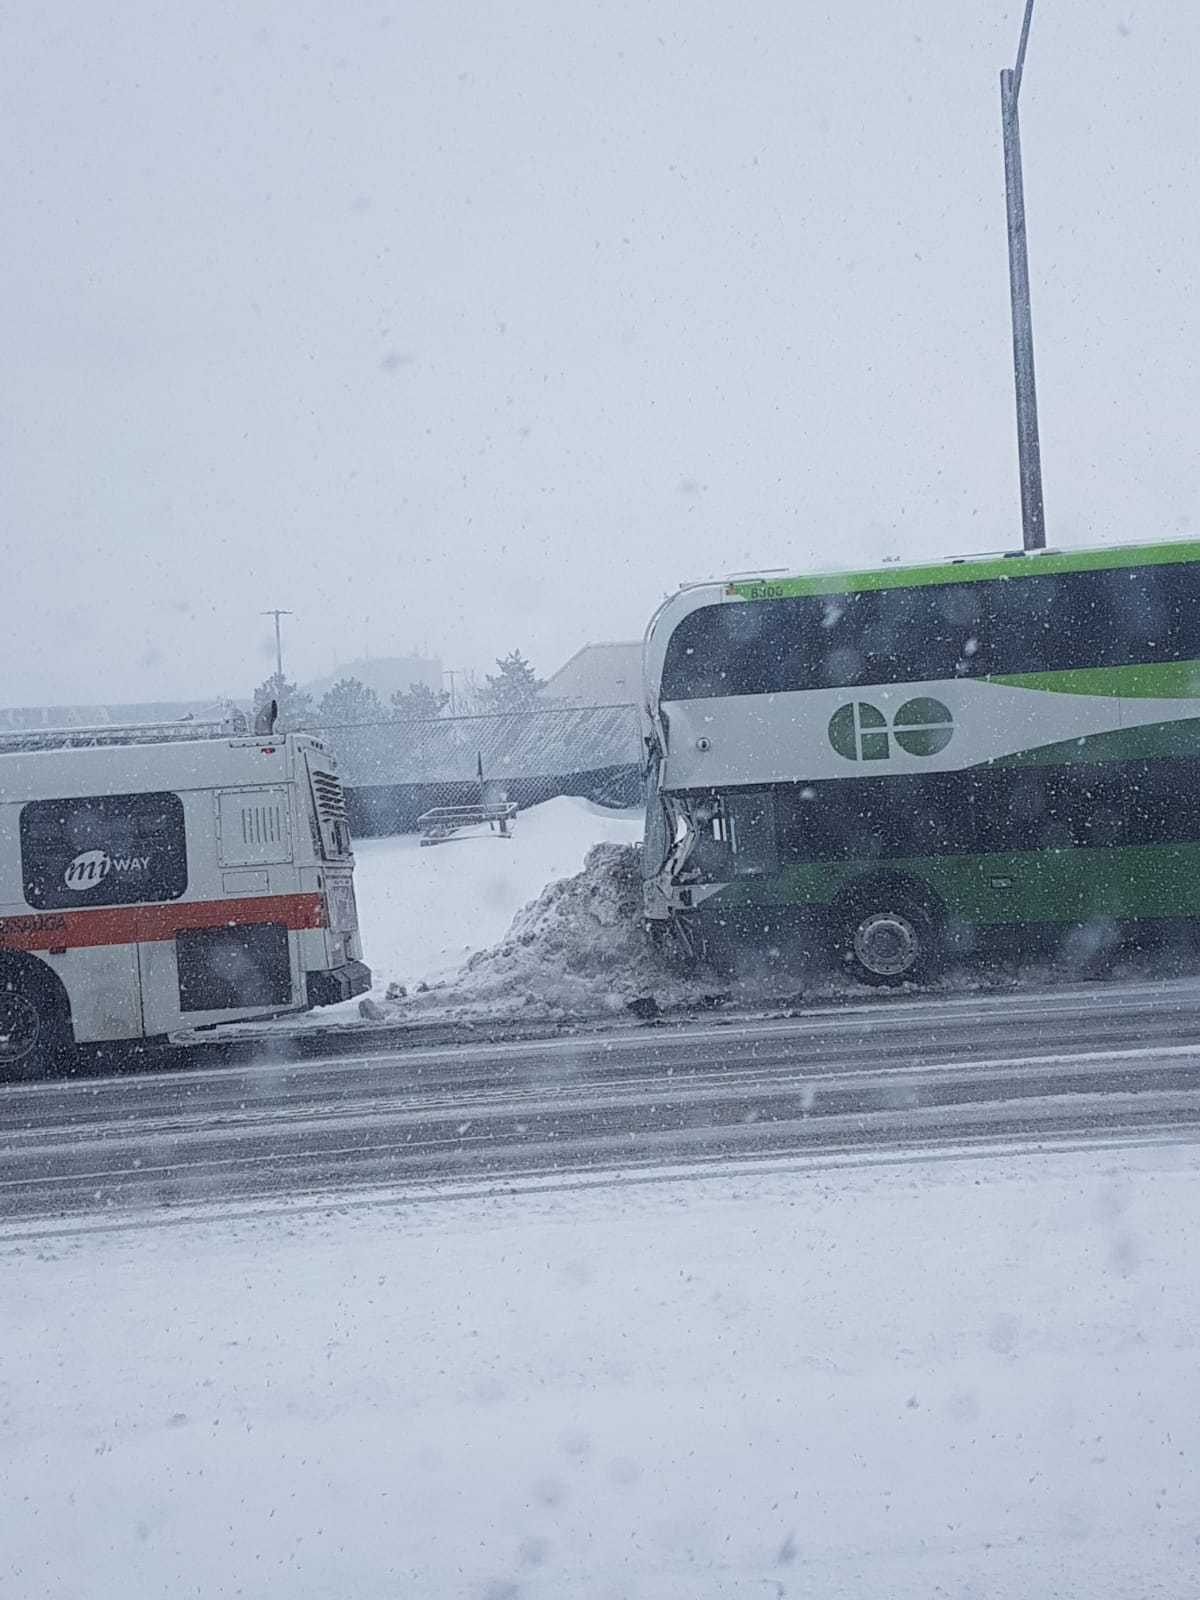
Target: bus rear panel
153 888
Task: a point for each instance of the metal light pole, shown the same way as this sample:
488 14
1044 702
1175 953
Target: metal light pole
1029 450
278 642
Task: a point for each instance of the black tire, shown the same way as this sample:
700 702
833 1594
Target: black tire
888 936
33 1034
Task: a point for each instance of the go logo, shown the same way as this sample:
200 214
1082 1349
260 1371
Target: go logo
860 731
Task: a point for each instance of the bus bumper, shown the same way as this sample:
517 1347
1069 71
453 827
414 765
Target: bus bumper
338 983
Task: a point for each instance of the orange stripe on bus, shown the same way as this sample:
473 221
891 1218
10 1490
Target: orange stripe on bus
76 930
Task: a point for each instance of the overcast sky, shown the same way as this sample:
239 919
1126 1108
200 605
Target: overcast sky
484 325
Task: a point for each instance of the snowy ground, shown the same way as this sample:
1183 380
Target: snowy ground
424 911
967 1377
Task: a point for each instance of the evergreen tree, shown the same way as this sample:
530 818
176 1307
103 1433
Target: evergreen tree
419 703
516 687
349 701
295 706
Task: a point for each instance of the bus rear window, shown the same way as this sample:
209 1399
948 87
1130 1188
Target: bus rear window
103 850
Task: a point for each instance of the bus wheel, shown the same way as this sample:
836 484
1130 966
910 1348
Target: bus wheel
890 940
30 1029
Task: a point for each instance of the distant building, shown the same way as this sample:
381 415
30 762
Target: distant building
387 675
598 675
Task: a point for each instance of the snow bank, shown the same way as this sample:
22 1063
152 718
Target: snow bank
425 911
546 925
577 950
963 1377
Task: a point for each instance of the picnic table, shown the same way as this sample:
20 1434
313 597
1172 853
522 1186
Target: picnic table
444 822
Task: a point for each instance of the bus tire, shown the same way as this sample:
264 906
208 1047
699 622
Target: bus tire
35 1028
889 934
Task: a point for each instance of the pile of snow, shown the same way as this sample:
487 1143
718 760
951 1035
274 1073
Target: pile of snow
577 950
955 1377
424 911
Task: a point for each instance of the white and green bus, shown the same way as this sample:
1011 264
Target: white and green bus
915 758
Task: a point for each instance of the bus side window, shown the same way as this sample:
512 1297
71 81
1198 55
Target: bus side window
936 631
1153 613
992 627
1023 616
750 819
103 850
1162 795
1178 588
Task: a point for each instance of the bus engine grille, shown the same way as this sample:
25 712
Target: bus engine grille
331 802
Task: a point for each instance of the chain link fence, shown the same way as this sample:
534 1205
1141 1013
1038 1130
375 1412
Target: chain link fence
393 771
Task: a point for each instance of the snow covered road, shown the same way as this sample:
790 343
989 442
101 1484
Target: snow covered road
1108 1059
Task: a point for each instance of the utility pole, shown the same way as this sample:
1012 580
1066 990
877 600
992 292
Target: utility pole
452 673
278 642
1029 450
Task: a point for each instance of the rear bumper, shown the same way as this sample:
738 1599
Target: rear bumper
338 983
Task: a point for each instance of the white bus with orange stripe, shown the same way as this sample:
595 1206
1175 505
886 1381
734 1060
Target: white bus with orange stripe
148 888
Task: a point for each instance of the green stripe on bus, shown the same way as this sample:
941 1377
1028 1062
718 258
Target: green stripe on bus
1151 740
1048 564
1047 886
1165 680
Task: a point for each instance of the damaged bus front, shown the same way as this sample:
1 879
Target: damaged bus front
710 824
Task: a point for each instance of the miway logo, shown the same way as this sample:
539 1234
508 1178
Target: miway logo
90 868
